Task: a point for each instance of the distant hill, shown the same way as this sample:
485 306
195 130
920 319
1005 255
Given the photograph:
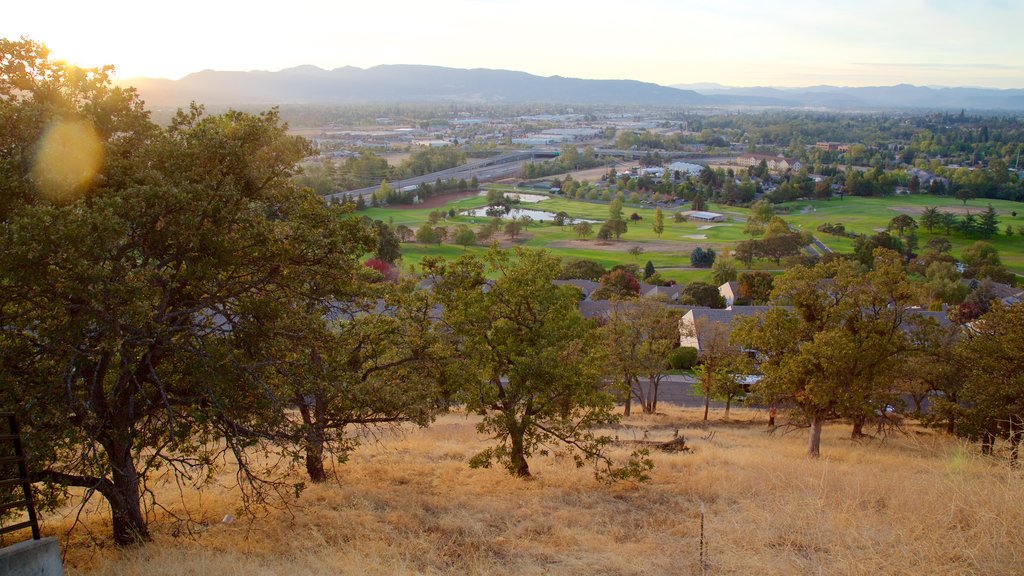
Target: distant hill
400 83
875 97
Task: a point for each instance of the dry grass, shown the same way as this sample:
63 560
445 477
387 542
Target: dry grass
915 504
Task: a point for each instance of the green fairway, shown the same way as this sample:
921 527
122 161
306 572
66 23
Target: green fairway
670 252
870 215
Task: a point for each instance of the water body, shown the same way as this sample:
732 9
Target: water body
535 215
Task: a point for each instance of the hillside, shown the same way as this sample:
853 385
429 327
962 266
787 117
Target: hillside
903 96
903 504
399 83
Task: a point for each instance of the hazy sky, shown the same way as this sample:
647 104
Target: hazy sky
734 42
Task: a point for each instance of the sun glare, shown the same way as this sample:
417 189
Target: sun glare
68 157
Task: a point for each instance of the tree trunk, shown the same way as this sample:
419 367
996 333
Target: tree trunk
519 467
653 392
728 402
771 416
129 526
315 458
707 404
858 428
987 442
314 438
917 406
627 405
814 439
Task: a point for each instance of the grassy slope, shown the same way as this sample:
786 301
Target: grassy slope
915 504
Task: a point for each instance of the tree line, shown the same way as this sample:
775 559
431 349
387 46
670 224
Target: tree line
171 301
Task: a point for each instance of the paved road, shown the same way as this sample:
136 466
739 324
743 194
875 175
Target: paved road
678 390
486 170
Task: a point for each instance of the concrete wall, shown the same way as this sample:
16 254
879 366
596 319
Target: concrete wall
32 558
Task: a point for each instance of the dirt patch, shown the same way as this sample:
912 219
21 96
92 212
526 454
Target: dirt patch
594 174
436 201
625 246
961 209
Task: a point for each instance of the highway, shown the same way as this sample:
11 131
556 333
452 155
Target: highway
487 170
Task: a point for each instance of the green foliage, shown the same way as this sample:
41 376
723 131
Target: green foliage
648 270
580 268
583 229
464 236
701 294
754 288
992 399
639 336
702 258
683 358
533 367
152 292
426 234
723 270
659 222
613 227
389 246
981 260
833 352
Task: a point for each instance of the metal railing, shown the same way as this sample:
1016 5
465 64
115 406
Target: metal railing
13 436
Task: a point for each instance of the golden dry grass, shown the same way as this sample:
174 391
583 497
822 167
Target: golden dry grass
915 504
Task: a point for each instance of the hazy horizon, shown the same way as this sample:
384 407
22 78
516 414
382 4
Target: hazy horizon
795 43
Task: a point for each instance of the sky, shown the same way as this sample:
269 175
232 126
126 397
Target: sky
731 42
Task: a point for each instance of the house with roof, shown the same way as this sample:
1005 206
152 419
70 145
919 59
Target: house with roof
730 292
668 293
587 287
695 325
777 163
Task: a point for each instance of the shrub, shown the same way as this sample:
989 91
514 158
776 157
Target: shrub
683 358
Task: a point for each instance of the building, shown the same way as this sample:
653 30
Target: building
685 168
729 292
585 286
694 324
832 146
775 163
703 216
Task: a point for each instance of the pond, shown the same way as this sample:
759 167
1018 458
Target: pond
535 215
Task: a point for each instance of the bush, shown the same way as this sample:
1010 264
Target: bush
683 358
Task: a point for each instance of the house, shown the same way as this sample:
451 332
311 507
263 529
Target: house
729 291
703 216
777 163
997 290
587 287
602 309
669 293
694 323
832 146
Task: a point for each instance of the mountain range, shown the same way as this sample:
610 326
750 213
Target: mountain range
870 97
426 84
401 83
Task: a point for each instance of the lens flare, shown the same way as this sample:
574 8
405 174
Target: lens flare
68 157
